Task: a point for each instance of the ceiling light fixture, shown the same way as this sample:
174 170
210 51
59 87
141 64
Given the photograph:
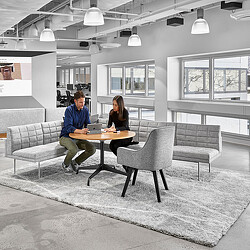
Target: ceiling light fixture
94 49
200 25
93 16
33 31
110 45
20 45
47 34
134 40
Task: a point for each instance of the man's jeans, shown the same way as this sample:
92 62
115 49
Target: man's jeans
73 145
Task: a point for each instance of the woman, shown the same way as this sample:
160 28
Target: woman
119 117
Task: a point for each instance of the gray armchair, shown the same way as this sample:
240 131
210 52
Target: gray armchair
155 154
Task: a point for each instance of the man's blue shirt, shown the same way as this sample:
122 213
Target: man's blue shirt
75 119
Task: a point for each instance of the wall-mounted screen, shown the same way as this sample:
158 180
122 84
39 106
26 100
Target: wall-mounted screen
15 76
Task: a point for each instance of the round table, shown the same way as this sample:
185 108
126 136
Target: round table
103 137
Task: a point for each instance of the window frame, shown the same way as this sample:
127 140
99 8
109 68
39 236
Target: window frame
131 66
211 58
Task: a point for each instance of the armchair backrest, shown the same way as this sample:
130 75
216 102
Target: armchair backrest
158 149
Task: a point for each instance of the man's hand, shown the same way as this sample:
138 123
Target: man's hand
81 131
85 131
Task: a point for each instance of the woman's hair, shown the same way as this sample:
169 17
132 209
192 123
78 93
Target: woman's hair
120 102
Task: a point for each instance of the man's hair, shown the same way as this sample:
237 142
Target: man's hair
78 94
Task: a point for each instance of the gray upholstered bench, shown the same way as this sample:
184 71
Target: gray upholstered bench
34 142
193 142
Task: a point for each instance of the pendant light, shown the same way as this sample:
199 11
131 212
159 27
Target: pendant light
33 31
134 39
94 48
20 44
47 34
200 25
93 16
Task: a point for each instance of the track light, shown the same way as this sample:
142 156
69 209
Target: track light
93 16
200 25
134 40
47 34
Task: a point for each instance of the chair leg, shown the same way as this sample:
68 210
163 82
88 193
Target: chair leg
156 186
163 179
134 177
39 170
209 167
14 166
198 171
130 170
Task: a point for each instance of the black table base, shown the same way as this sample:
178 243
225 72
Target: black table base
101 166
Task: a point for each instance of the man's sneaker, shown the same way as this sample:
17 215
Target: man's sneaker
67 169
74 166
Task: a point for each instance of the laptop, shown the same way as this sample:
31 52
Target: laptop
95 128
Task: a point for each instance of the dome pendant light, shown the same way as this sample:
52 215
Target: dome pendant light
134 40
94 48
200 25
47 34
93 16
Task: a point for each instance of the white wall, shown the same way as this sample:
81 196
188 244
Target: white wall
160 41
44 79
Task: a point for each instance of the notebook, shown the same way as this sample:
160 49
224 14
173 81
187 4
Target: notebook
94 128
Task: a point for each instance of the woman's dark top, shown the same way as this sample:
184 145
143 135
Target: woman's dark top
119 125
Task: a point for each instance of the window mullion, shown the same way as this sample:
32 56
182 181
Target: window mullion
146 80
123 80
211 79
132 80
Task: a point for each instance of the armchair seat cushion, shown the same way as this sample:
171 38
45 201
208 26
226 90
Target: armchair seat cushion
195 154
41 152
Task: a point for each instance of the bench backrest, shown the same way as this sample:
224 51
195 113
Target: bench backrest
195 135
207 136
19 137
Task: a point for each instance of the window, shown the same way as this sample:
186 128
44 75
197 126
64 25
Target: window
229 80
139 80
151 80
133 80
116 80
196 79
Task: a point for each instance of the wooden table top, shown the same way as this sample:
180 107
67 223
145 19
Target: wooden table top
104 136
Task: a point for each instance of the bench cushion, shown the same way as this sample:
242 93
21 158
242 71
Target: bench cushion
41 152
195 154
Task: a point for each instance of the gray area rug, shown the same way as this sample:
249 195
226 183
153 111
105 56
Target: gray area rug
198 211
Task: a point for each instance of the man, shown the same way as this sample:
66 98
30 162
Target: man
75 121
6 70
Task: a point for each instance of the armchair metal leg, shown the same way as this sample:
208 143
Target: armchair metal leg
134 177
130 170
14 166
198 171
209 167
156 186
163 179
39 170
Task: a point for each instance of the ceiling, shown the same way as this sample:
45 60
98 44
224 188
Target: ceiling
26 12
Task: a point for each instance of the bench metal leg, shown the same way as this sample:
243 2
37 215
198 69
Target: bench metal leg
39 170
209 165
14 166
198 171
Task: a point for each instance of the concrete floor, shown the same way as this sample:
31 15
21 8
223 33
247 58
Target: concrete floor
32 222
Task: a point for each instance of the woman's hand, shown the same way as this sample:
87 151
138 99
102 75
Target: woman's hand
111 129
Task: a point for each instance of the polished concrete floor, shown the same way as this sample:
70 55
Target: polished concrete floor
32 222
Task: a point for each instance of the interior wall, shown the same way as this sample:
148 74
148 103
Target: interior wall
44 79
160 41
